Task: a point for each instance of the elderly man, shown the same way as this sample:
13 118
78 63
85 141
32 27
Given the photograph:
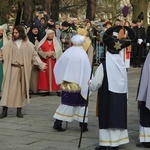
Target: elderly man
49 50
17 55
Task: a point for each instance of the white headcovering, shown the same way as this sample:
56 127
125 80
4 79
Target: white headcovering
74 66
78 39
116 73
5 26
5 39
57 45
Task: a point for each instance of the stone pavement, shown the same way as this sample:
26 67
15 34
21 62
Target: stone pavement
34 131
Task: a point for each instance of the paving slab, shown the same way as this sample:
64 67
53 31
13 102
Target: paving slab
35 132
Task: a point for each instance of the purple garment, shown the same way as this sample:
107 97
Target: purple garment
72 99
144 85
125 11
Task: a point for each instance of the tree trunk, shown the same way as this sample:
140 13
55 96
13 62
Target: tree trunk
48 8
138 7
55 9
27 15
11 2
90 11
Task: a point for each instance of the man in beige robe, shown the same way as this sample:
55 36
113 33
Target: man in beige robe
18 55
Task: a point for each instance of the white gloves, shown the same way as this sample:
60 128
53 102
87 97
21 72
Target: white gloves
139 41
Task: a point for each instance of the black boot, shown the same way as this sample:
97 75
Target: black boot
83 126
19 114
58 94
4 113
58 125
143 144
45 94
113 148
102 148
146 144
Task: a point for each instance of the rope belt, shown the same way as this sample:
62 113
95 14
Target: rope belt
18 66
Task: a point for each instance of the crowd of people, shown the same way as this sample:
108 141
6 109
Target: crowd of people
51 56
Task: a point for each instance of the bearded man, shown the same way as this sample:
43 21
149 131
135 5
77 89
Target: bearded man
18 55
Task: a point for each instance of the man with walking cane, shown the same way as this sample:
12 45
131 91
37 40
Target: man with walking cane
111 82
72 72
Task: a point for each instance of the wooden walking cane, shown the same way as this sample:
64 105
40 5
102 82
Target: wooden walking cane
87 100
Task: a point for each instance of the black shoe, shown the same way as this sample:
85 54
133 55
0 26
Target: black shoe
139 145
146 144
134 66
102 148
58 94
84 129
114 148
139 66
83 126
19 114
29 96
98 148
4 113
60 129
45 94
143 144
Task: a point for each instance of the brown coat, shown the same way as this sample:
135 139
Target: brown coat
29 56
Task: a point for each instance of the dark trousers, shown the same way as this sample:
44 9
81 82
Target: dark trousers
137 52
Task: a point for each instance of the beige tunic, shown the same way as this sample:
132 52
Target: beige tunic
34 75
34 79
17 69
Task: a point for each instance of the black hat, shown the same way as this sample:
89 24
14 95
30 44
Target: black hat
141 16
134 21
113 43
65 24
43 18
33 26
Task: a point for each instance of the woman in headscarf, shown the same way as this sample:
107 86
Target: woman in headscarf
49 50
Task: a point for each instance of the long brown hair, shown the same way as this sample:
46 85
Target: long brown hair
21 31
